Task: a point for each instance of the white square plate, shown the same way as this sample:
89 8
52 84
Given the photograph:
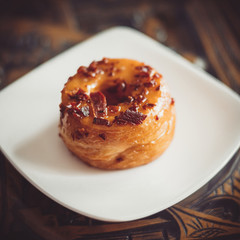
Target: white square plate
207 133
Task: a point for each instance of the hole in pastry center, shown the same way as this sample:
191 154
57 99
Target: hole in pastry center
116 94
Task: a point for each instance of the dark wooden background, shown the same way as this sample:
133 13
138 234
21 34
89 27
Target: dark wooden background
205 32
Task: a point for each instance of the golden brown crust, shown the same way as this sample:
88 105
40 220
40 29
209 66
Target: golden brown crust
116 114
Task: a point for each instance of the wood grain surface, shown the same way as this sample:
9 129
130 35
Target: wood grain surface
205 32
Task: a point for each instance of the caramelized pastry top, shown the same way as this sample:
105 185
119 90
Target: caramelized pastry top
115 92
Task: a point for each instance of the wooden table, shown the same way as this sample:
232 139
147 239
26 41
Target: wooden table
205 32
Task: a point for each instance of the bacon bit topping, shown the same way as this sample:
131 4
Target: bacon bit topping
80 95
147 84
130 99
145 72
119 159
93 66
151 83
172 101
90 71
79 134
76 111
136 87
99 104
112 70
142 75
101 121
134 108
144 68
104 61
85 111
148 105
140 98
103 136
145 92
112 109
82 70
130 117
157 88
156 117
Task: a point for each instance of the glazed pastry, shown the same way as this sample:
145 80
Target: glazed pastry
116 114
